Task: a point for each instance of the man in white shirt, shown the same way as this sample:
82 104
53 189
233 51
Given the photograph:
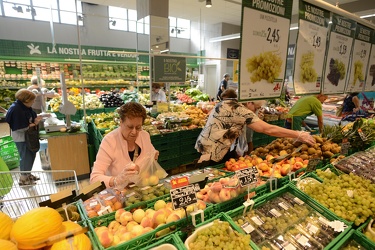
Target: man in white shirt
157 95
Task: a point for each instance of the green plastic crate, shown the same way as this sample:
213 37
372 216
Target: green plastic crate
169 163
190 134
9 152
189 158
361 231
172 239
5 139
357 237
296 192
145 239
222 217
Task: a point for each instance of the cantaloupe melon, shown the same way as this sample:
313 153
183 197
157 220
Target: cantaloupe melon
6 224
78 242
7 244
35 227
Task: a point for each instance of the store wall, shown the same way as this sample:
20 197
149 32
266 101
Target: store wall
94 32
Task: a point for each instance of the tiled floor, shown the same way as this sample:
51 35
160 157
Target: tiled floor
19 199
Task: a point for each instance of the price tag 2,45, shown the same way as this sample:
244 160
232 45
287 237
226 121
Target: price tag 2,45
184 196
247 176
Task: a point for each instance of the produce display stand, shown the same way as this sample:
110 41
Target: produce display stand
20 199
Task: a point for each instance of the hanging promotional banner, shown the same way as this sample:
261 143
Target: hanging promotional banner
311 48
264 45
339 50
370 76
360 57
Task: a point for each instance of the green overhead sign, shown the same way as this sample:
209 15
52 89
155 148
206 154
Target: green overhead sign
38 51
169 69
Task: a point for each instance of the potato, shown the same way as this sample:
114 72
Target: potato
336 150
304 156
318 139
326 147
327 154
311 151
319 152
304 147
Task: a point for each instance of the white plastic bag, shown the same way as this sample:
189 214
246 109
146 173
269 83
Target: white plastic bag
150 172
242 146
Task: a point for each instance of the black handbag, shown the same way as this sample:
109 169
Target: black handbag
32 139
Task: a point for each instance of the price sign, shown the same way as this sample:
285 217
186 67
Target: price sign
311 48
370 75
340 45
311 166
247 176
184 196
269 45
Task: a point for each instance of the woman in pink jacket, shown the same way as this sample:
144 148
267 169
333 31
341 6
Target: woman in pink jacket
125 145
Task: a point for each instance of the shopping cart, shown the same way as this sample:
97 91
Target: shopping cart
15 200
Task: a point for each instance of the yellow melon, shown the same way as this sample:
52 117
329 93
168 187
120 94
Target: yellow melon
35 227
78 242
6 224
8 245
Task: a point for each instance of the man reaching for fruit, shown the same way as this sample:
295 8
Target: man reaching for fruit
225 124
122 149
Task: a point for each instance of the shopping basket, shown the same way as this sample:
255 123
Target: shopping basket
17 200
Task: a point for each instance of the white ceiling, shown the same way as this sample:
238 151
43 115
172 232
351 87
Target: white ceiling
227 11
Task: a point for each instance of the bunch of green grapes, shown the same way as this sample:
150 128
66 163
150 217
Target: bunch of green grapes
265 66
220 236
340 66
308 73
358 66
349 196
326 175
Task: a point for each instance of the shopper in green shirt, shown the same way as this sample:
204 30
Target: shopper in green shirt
304 107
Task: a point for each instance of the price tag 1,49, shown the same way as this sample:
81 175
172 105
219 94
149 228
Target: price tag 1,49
247 176
184 196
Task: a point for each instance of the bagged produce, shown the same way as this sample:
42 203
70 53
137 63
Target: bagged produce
150 172
106 201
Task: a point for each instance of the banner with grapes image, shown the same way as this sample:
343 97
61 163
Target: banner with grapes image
360 58
264 45
310 49
341 37
370 76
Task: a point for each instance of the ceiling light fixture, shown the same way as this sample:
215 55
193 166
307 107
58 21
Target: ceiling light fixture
18 8
224 38
32 10
367 16
208 3
113 22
